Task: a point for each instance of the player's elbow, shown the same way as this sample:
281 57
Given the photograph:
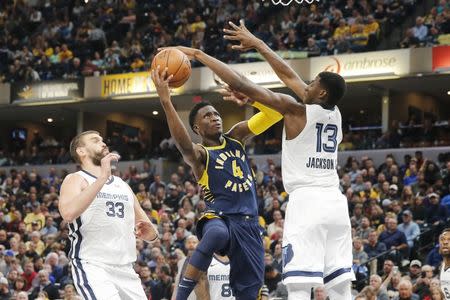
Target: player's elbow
69 218
67 214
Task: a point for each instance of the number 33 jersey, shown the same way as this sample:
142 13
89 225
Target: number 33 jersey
310 159
105 230
228 181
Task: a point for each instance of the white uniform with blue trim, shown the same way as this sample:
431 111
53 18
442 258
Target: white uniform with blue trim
103 244
218 275
317 245
444 278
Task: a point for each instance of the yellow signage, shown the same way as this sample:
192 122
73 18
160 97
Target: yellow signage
129 84
126 84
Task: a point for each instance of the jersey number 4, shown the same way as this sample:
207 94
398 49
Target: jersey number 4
237 171
114 209
331 131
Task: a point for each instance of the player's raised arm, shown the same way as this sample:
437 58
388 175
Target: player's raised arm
282 69
282 103
76 195
257 124
192 153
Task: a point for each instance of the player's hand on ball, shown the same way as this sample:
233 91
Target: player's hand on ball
230 95
240 33
189 52
146 231
161 82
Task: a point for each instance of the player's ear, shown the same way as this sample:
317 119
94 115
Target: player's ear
195 129
80 151
323 94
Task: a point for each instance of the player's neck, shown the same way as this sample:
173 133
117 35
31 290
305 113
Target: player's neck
212 142
91 168
446 262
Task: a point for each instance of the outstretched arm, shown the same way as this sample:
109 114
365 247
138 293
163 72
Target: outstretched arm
282 69
193 154
282 103
257 124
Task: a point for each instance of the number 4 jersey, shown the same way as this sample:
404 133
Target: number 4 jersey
228 181
105 230
310 159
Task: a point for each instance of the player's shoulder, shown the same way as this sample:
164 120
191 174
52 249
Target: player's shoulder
74 177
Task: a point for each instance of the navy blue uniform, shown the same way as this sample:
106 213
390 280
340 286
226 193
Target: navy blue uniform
230 194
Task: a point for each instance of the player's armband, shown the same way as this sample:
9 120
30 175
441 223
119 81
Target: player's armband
264 119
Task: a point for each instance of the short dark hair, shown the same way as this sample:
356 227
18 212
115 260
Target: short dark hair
335 86
444 231
195 110
77 142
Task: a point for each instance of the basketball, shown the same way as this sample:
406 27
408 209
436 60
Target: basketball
177 65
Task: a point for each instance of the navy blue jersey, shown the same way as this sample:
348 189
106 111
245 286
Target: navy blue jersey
228 180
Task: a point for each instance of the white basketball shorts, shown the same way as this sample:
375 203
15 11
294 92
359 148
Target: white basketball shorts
317 242
106 282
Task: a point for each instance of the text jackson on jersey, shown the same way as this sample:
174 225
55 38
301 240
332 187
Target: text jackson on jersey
321 163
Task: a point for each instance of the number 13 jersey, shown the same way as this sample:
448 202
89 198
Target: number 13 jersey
105 230
310 159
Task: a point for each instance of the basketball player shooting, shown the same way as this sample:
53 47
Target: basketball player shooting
317 246
103 215
223 170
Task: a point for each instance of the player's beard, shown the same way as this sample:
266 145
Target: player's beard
97 157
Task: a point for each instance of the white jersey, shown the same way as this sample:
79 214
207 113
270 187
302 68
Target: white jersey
310 159
445 281
105 231
218 279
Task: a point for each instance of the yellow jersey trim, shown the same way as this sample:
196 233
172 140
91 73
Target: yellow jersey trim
237 141
224 143
204 180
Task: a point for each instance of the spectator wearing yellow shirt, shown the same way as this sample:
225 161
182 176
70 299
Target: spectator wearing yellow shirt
355 25
372 26
36 243
197 25
342 30
137 64
35 216
359 39
151 213
65 55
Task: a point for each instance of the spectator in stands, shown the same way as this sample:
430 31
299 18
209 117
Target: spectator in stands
410 40
374 247
414 271
364 230
420 31
436 213
375 283
405 291
422 285
392 237
409 228
46 286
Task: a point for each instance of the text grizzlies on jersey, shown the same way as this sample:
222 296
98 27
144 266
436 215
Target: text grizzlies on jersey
321 163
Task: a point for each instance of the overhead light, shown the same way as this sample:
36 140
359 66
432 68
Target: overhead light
50 120
448 93
155 112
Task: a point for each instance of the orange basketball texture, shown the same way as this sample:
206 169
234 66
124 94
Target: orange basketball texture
177 63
